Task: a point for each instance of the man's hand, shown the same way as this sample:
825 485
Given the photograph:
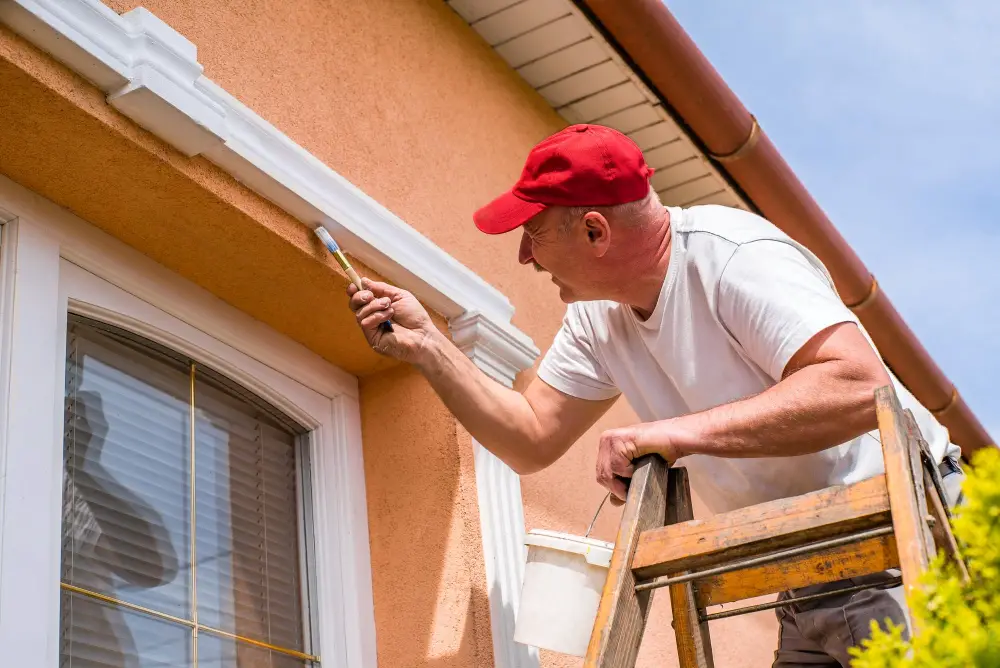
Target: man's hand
620 447
411 325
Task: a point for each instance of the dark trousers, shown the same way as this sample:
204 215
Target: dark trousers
819 633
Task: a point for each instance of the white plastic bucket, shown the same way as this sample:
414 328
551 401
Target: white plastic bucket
563 580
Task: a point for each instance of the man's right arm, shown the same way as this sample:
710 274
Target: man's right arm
527 431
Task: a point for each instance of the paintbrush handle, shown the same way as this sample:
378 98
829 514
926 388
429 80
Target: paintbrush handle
338 254
353 275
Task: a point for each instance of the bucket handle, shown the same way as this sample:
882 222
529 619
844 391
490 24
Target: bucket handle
594 521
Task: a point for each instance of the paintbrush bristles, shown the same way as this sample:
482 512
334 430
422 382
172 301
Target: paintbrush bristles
327 239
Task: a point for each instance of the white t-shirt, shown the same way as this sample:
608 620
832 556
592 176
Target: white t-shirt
739 299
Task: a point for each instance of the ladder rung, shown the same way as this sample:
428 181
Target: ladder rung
748 532
838 563
770 558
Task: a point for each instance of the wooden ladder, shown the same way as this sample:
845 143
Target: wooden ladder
891 521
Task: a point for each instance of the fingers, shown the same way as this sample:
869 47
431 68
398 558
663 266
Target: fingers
621 465
607 479
372 290
381 289
363 302
376 319
618 489
359 298
374 306
614 465
375 312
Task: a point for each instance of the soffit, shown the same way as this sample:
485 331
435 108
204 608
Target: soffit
560 54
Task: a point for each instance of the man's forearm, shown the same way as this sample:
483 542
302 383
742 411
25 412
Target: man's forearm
499 418
813 409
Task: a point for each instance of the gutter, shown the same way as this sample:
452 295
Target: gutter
650 40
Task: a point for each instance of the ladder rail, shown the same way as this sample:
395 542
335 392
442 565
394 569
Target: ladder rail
622 612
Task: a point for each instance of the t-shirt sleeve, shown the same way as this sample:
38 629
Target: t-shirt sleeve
571 365
772 299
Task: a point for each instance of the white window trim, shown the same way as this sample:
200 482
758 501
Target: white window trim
151 73
54 264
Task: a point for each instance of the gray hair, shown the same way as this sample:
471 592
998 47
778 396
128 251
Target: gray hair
638 212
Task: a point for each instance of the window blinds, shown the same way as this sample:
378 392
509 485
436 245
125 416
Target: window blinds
136 586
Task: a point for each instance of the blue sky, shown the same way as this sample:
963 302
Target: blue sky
889 113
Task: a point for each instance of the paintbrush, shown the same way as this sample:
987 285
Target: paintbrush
338 255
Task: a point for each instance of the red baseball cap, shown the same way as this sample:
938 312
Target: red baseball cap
582 165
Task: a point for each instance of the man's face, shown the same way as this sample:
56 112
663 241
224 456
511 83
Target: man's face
563 252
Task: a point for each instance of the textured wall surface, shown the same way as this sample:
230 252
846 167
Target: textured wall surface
405 101
431 604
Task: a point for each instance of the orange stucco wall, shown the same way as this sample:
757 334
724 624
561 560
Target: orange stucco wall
431 605
404 100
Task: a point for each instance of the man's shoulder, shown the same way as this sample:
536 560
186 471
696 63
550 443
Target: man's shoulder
715 233
728 225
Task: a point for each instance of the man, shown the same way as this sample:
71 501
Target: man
727 338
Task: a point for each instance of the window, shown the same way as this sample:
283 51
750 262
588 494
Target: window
183 529
82 314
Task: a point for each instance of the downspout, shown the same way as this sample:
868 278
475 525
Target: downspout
651 40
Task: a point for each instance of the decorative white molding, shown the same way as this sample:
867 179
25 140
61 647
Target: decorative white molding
501 516
87 36
160 95
498 487
494 349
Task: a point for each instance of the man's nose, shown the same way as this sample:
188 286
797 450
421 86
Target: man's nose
524 252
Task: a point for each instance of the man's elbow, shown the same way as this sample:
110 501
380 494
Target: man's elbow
530 465
526 467
862 381
533 462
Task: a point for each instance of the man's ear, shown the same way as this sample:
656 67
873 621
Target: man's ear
598 232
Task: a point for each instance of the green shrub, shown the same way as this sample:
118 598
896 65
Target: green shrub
959 623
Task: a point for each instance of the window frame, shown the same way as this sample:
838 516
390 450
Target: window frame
54 263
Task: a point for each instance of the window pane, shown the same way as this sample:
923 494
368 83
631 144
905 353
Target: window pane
127 514
96 634
219 652
247 523
126 510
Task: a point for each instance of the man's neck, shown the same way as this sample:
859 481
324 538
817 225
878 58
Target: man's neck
649 263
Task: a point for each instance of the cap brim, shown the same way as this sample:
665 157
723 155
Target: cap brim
506 213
